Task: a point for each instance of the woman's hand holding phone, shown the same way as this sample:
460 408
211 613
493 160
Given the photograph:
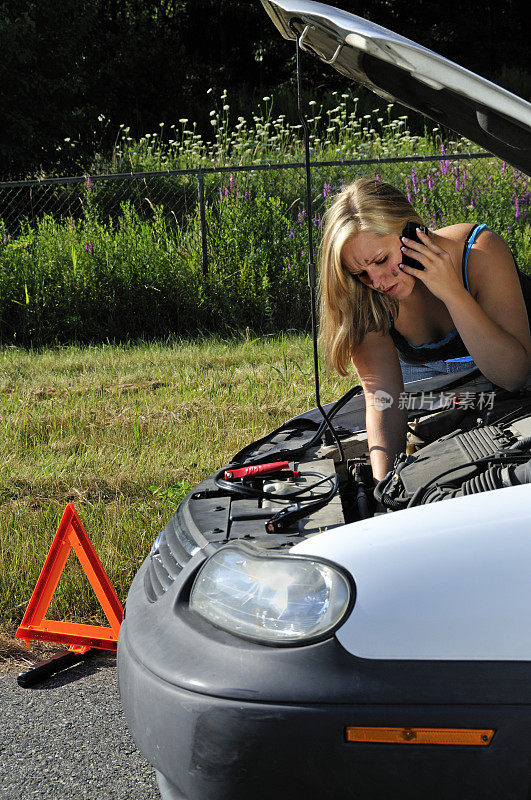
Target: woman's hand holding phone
434 265
410 232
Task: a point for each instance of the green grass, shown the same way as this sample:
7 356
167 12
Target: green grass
123 432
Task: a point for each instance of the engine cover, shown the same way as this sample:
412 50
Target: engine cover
457 452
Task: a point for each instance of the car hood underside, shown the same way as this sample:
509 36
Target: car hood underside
398 69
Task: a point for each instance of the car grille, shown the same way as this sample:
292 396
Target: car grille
173 549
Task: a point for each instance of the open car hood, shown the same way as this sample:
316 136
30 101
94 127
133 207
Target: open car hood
398 69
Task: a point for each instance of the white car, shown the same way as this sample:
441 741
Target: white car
291 635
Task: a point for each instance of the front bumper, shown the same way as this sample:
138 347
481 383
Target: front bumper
221 718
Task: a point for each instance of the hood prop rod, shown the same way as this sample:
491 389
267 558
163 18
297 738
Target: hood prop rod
312 273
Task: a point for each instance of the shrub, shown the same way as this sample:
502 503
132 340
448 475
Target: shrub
138 272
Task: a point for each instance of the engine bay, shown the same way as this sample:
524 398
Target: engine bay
295 483
452 452
485 457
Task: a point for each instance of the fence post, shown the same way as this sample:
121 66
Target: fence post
202 219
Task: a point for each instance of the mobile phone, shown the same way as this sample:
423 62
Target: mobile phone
410 232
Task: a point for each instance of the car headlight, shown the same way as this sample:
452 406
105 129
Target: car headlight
270 599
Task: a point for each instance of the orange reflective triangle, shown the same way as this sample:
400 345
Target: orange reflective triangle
71 534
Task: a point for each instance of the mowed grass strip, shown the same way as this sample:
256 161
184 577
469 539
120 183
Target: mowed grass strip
124 433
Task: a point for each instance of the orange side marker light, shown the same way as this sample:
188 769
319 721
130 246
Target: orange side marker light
456 736
71 534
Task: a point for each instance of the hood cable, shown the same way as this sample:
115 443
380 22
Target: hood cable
311 262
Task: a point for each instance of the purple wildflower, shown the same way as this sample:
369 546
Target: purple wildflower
472 204
327 190
226 192
301 216
231 181
378 176
457 184
71 223
443 151
289 264
503 167
414 181
430 184
516 208
508 228
246 195
408 193
88 182
291 233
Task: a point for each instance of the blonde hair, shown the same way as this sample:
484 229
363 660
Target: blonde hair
348 308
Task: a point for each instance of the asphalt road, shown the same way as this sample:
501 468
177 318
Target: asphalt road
67 738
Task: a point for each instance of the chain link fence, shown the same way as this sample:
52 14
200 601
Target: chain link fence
215 249
187 193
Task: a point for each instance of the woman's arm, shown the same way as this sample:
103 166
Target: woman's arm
494 327
377 365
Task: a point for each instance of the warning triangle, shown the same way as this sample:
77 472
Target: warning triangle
71 534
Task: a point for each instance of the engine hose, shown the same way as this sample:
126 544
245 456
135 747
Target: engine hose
393 503
384 490
484 482
362 502
492 478
381 486
436 493
503 456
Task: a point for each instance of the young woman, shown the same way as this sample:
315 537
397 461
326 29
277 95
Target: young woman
468 306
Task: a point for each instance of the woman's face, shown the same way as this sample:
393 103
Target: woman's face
374 261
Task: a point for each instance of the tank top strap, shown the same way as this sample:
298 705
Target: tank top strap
469 241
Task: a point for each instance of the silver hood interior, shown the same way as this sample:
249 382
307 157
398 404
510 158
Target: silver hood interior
398 69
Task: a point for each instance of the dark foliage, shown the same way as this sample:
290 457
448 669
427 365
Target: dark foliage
142 63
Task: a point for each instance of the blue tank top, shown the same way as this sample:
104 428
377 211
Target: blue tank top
451 347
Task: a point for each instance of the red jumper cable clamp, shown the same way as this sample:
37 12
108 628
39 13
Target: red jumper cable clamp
286 468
